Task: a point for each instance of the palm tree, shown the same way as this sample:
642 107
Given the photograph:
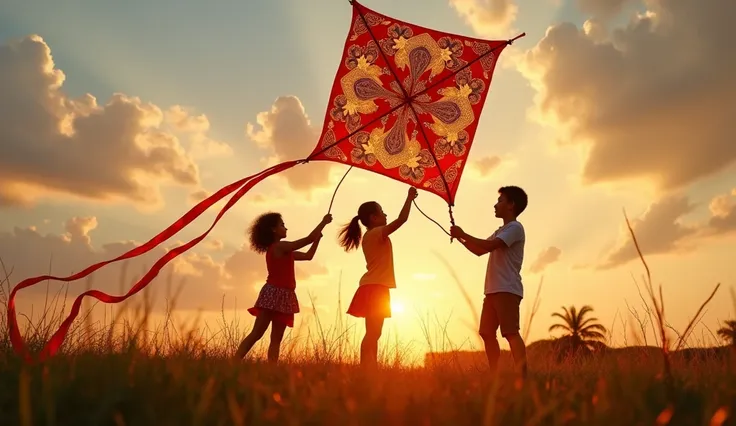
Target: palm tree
728 332
582 332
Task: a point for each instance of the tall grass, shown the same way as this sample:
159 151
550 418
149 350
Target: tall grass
124 368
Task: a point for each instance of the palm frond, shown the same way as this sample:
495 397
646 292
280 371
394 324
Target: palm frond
562 327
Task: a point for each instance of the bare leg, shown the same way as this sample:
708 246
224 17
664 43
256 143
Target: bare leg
369 345
493 351
277 333
518 350
259 329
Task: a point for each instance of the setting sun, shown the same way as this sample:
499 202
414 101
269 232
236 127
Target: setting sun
397 307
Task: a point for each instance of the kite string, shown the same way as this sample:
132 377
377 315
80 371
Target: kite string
414 201
452 221
338 187
427 216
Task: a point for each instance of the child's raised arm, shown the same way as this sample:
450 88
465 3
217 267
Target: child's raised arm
403 215
283 247
309 255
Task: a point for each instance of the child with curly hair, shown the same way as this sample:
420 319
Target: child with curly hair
277 302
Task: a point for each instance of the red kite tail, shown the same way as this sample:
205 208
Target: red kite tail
242 187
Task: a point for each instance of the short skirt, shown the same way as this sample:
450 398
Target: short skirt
280 302
371 301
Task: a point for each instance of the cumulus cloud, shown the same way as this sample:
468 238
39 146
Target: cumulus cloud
723 211
204 279
487 18
658 231
655 100
55 145
486 165
184 120
287 132
215 245
546 257
195 127
722 205
198 195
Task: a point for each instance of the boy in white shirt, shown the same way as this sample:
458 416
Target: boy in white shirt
503 287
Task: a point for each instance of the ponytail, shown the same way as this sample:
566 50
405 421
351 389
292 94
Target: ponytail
351 234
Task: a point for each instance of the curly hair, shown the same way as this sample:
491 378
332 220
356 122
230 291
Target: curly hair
261 231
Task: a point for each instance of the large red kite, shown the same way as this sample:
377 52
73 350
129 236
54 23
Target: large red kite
405 104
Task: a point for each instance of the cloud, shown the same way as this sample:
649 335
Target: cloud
53 145
546 257
287 132
216 245
199 195
260 199
183 120
195 127
722 205
486 165
205 279
723 211
658 231
487 18
654 101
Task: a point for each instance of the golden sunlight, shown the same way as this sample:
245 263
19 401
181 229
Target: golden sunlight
397 307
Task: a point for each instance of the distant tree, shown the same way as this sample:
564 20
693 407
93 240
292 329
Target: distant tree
580 331
728 332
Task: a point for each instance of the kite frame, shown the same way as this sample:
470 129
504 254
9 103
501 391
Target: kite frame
409 100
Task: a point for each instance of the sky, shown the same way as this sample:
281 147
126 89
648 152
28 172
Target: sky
116 117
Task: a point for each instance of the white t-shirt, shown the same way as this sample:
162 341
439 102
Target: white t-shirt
503 273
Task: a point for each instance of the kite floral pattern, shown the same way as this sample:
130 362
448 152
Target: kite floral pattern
406 100
392 145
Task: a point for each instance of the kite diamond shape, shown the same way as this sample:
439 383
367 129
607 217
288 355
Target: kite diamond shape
406 100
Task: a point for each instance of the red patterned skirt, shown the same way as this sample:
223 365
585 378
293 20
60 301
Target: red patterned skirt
371 301
281 303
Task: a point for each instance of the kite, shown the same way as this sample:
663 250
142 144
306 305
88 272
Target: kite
405 104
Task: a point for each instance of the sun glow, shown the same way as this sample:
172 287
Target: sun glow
397 307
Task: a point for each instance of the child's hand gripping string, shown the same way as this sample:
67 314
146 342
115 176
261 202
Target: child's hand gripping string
316 236
403 215
317 232
284 247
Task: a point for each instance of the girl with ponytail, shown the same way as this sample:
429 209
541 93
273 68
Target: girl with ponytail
372 300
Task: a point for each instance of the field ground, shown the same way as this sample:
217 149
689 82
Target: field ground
196 385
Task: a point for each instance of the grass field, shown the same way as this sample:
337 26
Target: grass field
136 374
199 385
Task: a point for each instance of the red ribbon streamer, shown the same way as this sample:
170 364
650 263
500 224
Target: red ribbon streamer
53 345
